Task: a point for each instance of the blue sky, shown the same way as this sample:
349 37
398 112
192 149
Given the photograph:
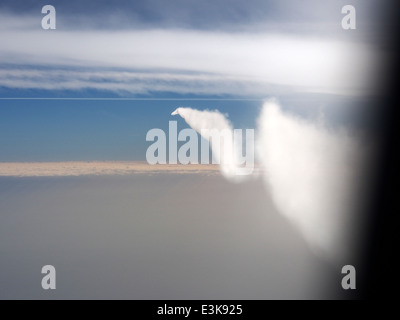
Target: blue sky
309 15
65 130
178 49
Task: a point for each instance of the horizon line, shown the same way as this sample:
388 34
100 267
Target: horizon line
138 99
99 168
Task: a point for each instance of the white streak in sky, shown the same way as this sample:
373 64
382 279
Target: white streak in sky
215 128
309 170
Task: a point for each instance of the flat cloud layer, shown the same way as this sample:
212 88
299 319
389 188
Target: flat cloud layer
57 169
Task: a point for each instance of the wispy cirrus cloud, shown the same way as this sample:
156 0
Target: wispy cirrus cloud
181 61
134 82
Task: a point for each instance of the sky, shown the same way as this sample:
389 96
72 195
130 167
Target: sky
176 50
111 71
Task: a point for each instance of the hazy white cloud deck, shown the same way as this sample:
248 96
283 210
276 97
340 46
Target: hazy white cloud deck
80 168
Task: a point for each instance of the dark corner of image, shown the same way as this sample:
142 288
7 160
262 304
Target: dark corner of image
380 266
